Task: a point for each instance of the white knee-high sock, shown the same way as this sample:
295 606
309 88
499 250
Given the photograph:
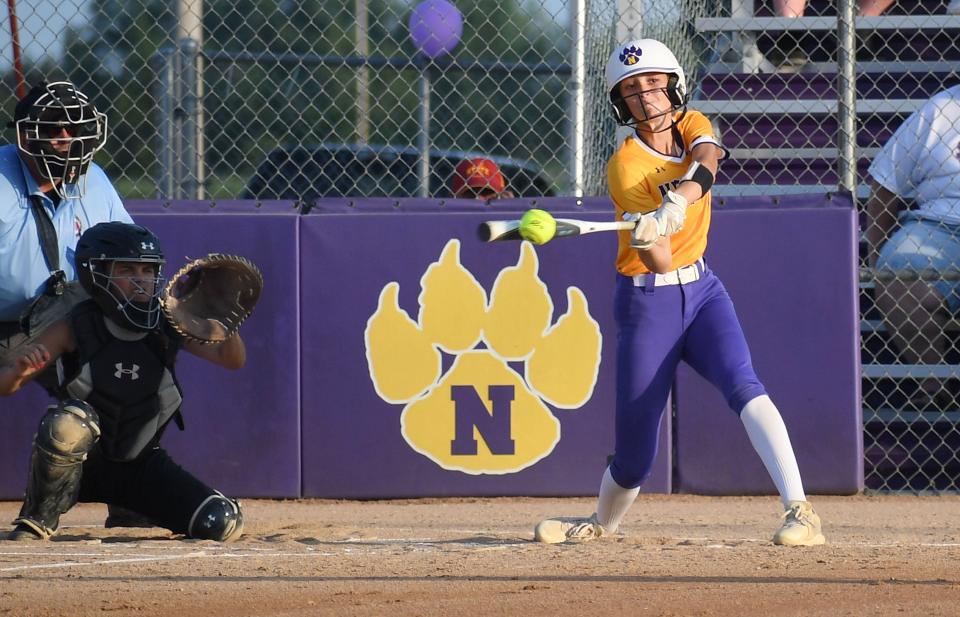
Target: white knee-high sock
614 501
769 437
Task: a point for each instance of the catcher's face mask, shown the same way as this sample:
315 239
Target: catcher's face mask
59 133
131 288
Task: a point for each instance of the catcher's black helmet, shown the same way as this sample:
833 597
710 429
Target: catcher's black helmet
102 245
60 130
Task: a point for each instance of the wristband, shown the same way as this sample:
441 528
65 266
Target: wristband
700 175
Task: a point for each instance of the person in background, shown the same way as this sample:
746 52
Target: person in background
913 215
479 178
787 53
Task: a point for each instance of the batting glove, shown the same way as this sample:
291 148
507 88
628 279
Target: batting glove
671 213
647 231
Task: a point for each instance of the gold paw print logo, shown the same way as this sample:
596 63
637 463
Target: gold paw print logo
482 416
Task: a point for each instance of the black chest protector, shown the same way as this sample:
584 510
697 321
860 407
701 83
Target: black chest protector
131 383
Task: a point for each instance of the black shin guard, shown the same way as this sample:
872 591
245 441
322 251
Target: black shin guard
67 433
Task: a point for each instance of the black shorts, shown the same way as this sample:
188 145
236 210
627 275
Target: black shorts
152 485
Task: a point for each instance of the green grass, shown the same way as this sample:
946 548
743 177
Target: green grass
219 186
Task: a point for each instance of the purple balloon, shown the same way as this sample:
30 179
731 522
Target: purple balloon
435 27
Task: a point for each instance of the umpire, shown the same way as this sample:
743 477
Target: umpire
50 192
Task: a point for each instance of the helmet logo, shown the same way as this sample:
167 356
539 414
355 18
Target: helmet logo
133 372
71 176
147 246
630 55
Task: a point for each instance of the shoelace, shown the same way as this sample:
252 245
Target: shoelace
797 515
583 530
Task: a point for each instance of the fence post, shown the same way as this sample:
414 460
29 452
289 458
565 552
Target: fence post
847 97
165 66
181 146
423 138
577 146
187 116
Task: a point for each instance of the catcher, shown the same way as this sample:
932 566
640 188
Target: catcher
118 391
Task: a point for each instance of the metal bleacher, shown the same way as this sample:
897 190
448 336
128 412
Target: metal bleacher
782 128
782 131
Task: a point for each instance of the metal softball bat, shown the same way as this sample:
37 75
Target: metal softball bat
495 231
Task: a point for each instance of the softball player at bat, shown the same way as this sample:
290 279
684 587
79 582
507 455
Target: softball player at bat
669 306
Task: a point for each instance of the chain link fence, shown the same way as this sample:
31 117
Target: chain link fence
806 96
223 99
216 99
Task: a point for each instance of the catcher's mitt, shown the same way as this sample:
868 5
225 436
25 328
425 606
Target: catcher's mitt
208 299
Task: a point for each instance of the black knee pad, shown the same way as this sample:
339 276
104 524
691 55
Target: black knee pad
68 431
217 518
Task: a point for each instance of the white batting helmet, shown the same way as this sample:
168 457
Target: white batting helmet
644 56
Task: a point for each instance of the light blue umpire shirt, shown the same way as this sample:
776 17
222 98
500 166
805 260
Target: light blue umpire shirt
23 270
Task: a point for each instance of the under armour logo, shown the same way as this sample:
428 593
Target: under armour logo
133 372
146 246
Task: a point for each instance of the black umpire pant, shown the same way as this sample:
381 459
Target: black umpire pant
152 484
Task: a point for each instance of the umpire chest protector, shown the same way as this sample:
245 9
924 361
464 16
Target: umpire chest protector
128 377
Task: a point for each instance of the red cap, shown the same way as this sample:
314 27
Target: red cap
478 174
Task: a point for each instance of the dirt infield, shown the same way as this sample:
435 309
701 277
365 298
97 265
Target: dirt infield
677 555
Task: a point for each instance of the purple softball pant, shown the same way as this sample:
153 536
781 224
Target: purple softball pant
657 327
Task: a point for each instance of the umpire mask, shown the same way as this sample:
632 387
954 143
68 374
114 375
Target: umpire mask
59 130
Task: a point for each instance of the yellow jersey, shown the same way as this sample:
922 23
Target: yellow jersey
639 177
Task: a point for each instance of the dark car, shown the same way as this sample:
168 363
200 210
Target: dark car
347 170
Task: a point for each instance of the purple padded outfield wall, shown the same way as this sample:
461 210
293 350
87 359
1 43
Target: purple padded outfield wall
353 442
349 394
19 416
336 371
242 427
790 267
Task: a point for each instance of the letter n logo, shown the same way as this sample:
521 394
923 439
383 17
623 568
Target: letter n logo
470 412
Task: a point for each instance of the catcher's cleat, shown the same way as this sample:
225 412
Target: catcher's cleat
555 530
801 526
121 517
24 533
